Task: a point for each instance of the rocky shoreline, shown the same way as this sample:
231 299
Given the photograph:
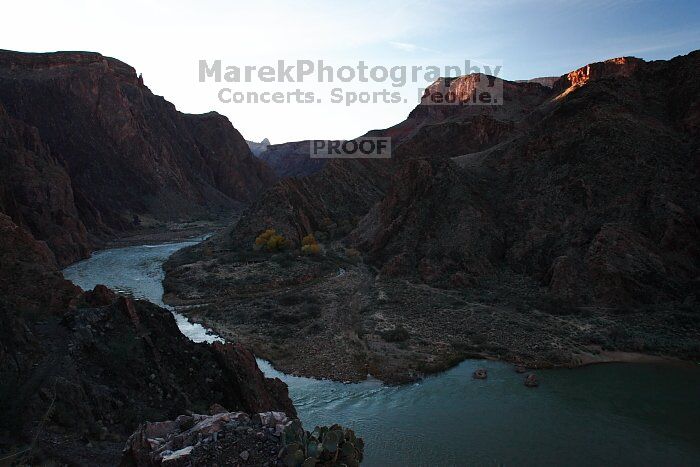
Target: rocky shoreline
165 233
308 321
592 354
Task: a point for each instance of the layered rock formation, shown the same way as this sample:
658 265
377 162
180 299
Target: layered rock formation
130 157
609 157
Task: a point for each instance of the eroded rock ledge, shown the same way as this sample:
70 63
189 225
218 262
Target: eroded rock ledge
221 438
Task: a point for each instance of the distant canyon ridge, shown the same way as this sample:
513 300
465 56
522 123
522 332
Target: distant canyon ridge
550 230
90 152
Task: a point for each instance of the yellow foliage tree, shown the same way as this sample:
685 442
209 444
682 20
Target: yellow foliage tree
264 237
270 240
312 249
309 240
309 245
276 242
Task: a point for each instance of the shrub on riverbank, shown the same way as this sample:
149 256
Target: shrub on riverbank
270 240
309 245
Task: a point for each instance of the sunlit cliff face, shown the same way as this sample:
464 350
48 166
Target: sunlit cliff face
622 66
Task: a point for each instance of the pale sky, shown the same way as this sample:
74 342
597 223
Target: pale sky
166 40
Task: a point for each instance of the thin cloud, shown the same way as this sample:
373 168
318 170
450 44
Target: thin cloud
405 46
411 48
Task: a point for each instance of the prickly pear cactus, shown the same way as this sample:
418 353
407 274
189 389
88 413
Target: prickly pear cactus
323 447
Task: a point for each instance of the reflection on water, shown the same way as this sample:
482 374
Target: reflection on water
616 414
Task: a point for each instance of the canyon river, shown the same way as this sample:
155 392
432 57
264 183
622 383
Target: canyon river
609 414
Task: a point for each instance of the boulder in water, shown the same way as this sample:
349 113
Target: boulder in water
480 373
531 381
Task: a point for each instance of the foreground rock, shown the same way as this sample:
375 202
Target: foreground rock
221 439
80 371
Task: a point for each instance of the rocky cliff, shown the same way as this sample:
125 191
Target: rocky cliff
36 191
598 172
131 158
595 195
80 371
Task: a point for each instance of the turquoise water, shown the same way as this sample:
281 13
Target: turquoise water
136 270
613 414
616 414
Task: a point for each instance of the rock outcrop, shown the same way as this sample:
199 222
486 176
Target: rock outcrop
80 371
531 381
130 156
622 66
258 148
224 437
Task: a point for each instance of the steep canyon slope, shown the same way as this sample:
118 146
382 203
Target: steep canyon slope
87 153
550 230
121 156
79 371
